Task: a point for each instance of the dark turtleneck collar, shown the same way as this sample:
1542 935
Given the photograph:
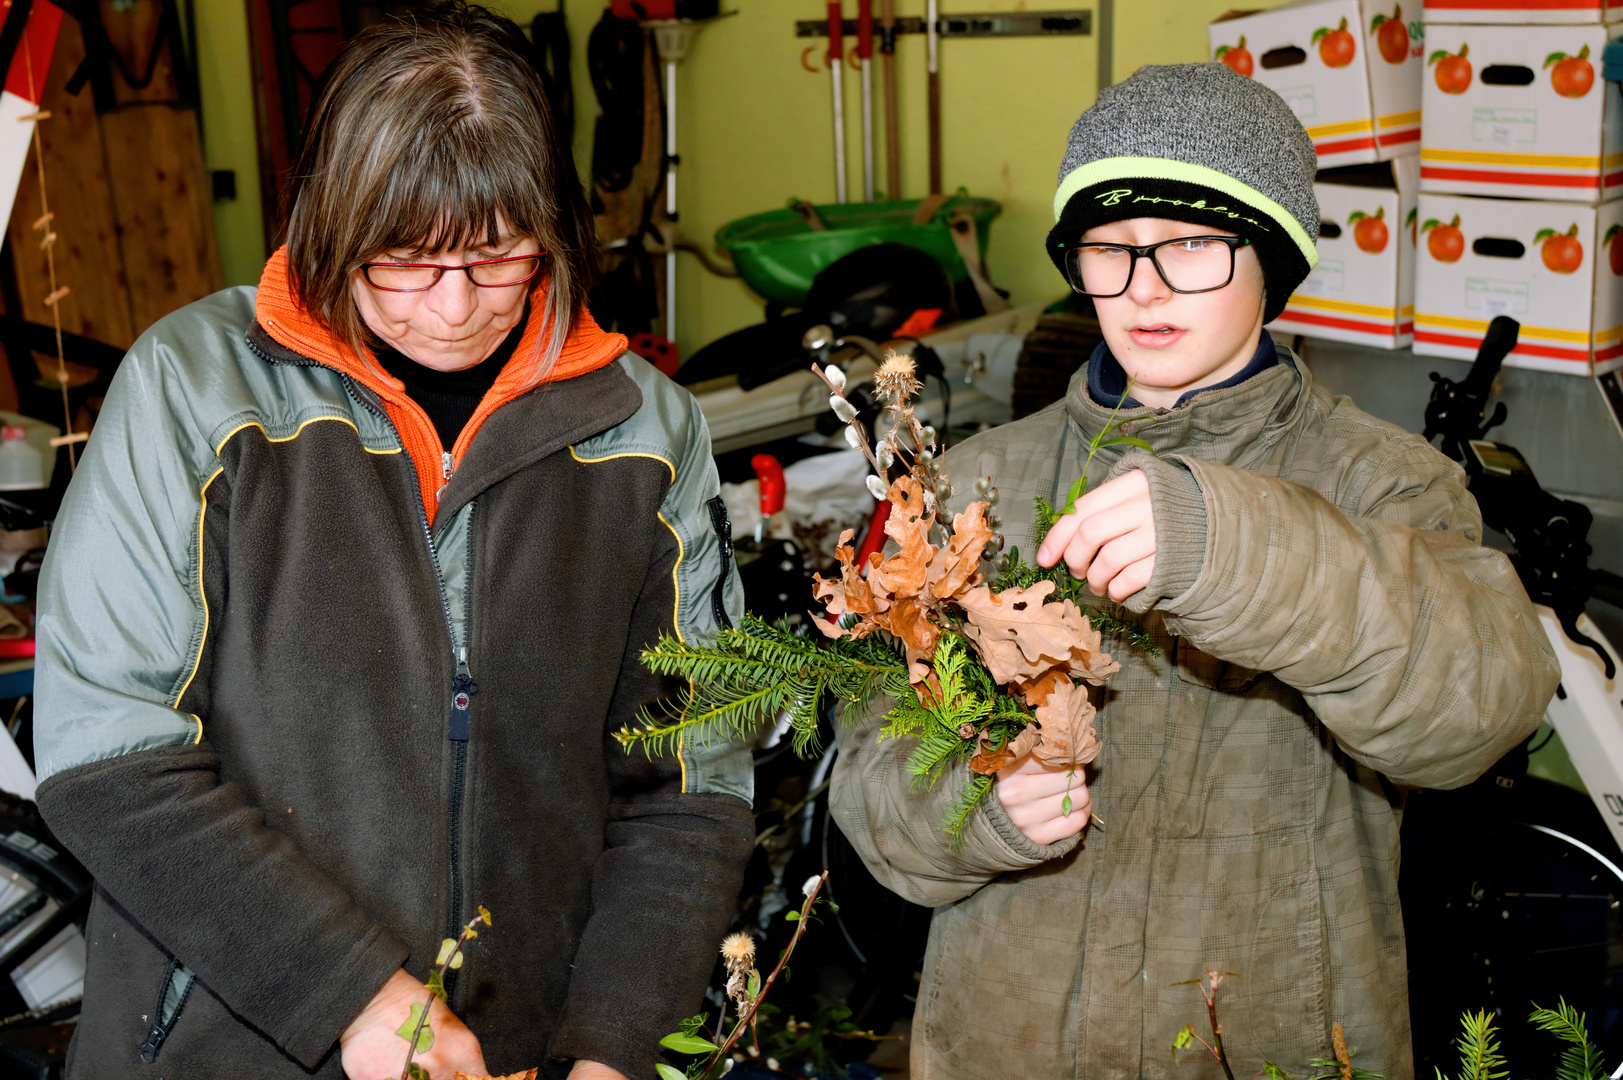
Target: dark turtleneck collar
1107 381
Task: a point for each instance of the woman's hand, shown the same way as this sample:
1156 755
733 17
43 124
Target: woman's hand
1109 539
370 1049
1033 794
591 1070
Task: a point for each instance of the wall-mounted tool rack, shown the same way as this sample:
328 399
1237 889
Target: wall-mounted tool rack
985 25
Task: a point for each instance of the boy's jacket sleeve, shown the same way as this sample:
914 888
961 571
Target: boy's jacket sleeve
896 825
1415 645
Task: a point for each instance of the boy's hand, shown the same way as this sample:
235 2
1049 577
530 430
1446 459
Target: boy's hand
1033 795
1109 539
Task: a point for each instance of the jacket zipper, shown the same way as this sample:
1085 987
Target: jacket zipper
162 1025
459 726
724 539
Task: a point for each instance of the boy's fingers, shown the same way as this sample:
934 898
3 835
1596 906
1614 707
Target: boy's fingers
1124 551
1127 486
1095 532
1058 537
1132 578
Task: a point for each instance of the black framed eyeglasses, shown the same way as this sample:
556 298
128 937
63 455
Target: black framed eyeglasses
1188 264
420 277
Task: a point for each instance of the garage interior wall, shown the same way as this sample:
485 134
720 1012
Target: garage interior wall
754 127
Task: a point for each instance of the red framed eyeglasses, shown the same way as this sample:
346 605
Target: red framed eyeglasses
420 277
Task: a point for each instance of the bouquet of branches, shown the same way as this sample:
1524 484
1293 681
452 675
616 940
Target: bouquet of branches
985 658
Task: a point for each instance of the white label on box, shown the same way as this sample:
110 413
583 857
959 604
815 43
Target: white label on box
1495 297
1301 101
1504 127
1327 277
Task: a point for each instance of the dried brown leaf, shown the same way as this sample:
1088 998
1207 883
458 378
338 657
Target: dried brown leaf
903 574
1027 741
1067 720
1036 691
528 1075
956 567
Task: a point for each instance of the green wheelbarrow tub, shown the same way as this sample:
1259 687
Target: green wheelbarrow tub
777 253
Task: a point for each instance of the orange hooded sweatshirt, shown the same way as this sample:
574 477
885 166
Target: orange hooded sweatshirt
587 348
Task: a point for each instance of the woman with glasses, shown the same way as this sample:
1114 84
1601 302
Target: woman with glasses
345 605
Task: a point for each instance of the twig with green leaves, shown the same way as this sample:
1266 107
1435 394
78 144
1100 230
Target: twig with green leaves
746 988
1337 1067
418 1035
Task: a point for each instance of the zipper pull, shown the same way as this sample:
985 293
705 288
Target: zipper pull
445 464
461 698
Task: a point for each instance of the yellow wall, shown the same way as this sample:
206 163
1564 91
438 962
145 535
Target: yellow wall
754 127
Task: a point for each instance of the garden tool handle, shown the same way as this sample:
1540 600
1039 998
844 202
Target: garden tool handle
836 33
769 474
864 29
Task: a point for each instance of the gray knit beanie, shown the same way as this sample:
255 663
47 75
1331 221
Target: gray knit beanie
1199 143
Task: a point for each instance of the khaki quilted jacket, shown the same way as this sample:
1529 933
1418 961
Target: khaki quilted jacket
1331 632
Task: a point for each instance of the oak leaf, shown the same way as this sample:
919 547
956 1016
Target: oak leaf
1067 720
1036 690
849 594
988 761
956 567
1018 635
530 1074
904 572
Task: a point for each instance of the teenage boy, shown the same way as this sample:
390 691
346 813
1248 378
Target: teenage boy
1331 631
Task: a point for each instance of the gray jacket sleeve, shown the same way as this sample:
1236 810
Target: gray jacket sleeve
130 785
1415 645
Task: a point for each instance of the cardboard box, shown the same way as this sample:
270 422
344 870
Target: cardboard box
1520 111
1362 290
1555 267
1523 12
1349 69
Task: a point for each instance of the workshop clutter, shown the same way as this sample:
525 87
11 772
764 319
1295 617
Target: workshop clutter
1553 266
1350 71
1519 111
1362 290
1523 12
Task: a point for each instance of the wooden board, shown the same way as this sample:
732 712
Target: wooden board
88 259
132 250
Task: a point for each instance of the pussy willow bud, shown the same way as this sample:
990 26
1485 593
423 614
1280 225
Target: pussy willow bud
943 491
929 435
994 521
853 436
876 487
835 376
846 411
991 496
886 456
925 457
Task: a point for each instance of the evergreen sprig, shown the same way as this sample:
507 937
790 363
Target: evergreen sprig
1480 1058
748 675
1580 1059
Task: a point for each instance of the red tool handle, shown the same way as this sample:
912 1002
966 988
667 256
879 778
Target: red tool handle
770 476
836 33
864 29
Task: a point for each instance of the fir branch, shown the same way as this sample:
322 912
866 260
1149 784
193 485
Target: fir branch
1580 1060
958 816
749 675
1480 1058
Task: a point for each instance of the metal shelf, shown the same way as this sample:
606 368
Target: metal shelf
982 25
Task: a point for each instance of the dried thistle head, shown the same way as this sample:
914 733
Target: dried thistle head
738 950
896 378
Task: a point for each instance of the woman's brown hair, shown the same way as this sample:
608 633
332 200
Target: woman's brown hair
427 132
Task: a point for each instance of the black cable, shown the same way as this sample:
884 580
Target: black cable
614 59
550 33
